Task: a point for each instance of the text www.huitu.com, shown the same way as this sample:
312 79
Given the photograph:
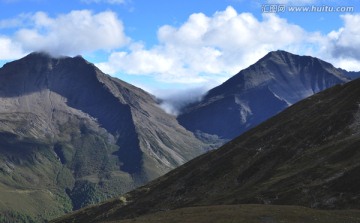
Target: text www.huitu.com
274 8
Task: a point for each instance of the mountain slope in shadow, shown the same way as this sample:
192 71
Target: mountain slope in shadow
307 155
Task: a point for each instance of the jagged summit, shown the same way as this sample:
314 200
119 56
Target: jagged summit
44 54
277 54
258 92
46 59
282 54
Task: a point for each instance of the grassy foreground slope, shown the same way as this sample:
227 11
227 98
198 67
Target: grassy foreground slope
248 213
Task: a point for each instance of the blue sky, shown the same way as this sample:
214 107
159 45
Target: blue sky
166 46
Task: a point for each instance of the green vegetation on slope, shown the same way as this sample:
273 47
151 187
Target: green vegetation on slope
41 180
12 216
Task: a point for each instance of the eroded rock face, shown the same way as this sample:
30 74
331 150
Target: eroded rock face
257 93
68 128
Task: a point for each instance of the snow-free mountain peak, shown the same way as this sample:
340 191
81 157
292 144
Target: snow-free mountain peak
71 135
276 81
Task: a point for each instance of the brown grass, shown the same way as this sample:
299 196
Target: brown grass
248 214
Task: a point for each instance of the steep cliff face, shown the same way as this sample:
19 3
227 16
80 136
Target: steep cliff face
257 93
83 136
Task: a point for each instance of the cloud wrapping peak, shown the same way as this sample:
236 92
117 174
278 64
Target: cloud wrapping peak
73 33
77 32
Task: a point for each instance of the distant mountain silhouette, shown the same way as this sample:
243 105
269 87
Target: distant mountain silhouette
351 74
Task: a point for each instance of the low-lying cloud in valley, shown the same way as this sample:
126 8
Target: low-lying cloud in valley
172 102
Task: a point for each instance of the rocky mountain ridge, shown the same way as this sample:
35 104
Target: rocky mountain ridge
276 81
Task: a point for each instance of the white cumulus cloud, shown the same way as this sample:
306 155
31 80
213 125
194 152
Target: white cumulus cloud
212 48
10 49
204 49
73 33
345 43
77 32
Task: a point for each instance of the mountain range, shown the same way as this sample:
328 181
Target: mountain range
71 135
307 155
